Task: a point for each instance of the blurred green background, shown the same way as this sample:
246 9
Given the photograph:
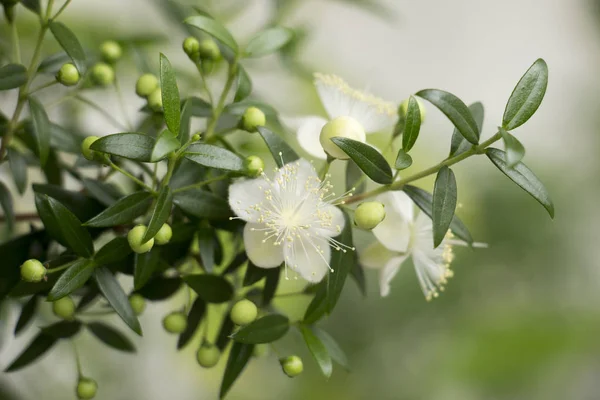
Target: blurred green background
520 320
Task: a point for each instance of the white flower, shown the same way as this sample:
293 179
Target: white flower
290 218
340 100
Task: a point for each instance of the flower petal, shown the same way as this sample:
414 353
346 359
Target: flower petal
245 196
308 130
395 230
388 273
333 221
308 257
375 256
262 252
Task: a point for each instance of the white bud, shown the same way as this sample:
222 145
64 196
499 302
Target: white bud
345 127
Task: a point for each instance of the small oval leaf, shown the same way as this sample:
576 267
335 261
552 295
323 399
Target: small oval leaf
27 313
214 157
268 41
134 146
160 213
244 85
238 358
444 204
38 346
41 129
264 330
281 152
12 76
202 204
116 297
211 288
515 151
68 41
214 29
368 159
170 95
403 160
166 143
459 144
318 350
526 96
123 211
193 322
113 251
111 337
72 279
412 124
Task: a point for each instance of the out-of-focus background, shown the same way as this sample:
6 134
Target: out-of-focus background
520 320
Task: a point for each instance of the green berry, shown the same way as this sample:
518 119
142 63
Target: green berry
111 51
253 118
244 312
68 75
86 388
164 234
64 308
138 303
196 137
191 47
209 50
146 84
135 236
103 74
33 271
176 322
155 100
85 147
404 108
345 127
254 166
292 366
208 355
369 214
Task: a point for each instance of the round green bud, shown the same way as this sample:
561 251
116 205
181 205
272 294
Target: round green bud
33 271
253 117
137 303
191 47
103 74
111 51
135 236
155 100
164 234
209 50
292 365
86 388
345 127
64 308
208 355
68 75
243 312
369 214
146 84
176 322
404 108
85 147
196 137
254 166
260 350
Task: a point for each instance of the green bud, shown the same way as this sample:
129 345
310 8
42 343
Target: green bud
103 74
111 51
155 100
176 322
244 312
135 236
253 117
85 147
207 66
164 234
404 108
292 365
208 355
146 84
137 303
196 137
254 166
33 271
369 214
86 388
345 127
191 47
64 308
68 75
209 50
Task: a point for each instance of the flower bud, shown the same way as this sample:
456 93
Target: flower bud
369 214
146 84
155 100
176 322
138 303
209 50
85 147
33 271
191 47
164 234
135 236
345 127
208 355
111 51
196 137
68 75
253 117
404 108
103 74
86 388
244 312
64 308
254 166
292 366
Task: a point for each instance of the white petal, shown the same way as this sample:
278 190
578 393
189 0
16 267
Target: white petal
245 196
308 256
262 254
308 131
339 99
388 273
294 178
394 232
337 222
375 256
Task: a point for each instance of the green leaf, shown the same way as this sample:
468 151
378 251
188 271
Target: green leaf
211 288
113 251
526 96
225 330
161 212
72 279
63 329
282 153
515 151
522 176
238 358
459 144
12 254
318 306
12 76
33 5
206 245
116 297
134 146
268 41
214 157
37 348
200 107
254 274
145 265
41 129
123 211
18 167
68 41
105 193
264 330
27 312
166 143
64 226
403 160
368 159
6 202
244 85
354 178
185 122
160 288
202 204
444 204
52 64
358 274
271 284
412 124
170 95
342 262
214 29
111 337
64 139
193 322
84 207
334 349
238 109
456 111
318 350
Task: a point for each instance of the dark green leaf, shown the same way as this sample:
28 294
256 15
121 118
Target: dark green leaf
160 288
237 262
268 41
53 169
52 63
271 284
318 306
318 350
111 337
123 211
38 346
456 111
354 178
187 173
225 332
84 207
358 274
206 246
166 143
112 291
145 266
72 279
526 96
244 85
368 159
214 157
41 129
33 5
27 312
342 262
134 146
282 153
334 349
524 177
113 251
202 204
68 41
513 148
65 140
403 160
459 144
18 167
12 76
200 108
211 288
238 358
161 212
6 202
214 29
105 193
254 274
62 329
193 322
444 204
412 125
185 122
170 95
264 330
238 109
